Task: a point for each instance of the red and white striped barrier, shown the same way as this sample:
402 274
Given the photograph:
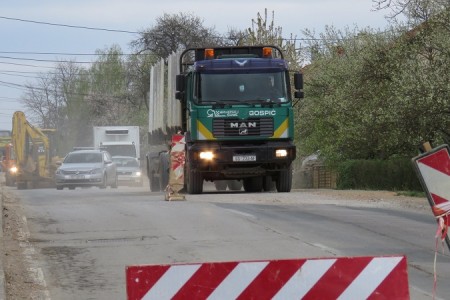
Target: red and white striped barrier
433 169
177 159
382 277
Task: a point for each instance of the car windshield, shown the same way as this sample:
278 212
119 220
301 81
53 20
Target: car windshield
125 162
74 158
218 87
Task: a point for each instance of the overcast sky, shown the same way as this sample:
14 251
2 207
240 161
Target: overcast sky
17 35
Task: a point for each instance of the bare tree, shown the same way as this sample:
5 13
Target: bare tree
47 98
264 31
173 32
56 100
416 11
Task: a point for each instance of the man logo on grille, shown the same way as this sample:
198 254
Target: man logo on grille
243 124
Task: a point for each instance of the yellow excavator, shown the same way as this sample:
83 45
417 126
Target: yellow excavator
35 156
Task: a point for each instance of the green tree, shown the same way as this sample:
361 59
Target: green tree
429 40
107 97
376 94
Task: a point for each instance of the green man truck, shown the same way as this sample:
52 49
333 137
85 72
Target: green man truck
234 107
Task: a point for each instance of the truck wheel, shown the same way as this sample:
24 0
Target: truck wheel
253 184
284 181
164 175
221 185
8 180
234 185
268 184
194 182
154 183
22 185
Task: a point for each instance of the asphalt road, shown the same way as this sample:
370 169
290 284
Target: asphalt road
81 241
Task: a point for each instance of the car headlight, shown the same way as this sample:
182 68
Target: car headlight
13 170
138 173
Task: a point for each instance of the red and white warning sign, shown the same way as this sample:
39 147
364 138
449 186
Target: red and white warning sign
382 277
176 171
433 169
177 159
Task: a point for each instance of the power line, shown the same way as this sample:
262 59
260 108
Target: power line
25 65
8 99
45 60
38 74
18 75
70 26
72 54
12 85
14 72
136 32
28 87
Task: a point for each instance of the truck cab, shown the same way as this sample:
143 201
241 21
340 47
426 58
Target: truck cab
238 116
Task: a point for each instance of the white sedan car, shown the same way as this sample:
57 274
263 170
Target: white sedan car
128 170
86 168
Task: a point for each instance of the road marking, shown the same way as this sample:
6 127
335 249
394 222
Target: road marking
36 273
325 248
241 213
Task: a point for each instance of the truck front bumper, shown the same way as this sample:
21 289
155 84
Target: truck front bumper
240 160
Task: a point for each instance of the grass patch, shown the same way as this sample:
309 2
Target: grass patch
411 193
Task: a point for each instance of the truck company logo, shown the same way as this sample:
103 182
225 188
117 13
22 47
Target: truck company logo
241 63
242 124
211 113
262 113
243 131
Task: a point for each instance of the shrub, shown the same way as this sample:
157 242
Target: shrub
393 174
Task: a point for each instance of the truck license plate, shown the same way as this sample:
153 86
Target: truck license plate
244 158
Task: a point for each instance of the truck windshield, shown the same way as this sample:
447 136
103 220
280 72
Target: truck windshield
242 87
121 150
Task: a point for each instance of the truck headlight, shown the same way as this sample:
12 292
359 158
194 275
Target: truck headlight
13 170
138 173
281 153
206 155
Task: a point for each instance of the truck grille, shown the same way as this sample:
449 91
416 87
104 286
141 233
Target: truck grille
238 127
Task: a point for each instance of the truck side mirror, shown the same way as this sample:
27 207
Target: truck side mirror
298 81
298 84
179 87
